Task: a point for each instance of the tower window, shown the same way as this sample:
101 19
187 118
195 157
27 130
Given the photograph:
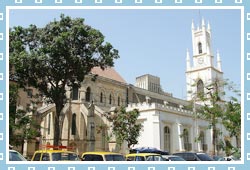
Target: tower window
200 47
200 88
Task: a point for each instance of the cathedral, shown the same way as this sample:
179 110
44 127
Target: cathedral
169 123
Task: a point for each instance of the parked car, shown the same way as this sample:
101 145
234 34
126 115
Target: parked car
218 158
102 156
194 156
231 158
55 155
148 150
144 157
15 156
173 158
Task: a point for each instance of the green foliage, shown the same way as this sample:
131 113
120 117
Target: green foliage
22 126
211 107
215 110
232 119
125 126
57 55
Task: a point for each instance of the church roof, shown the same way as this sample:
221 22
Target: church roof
109 73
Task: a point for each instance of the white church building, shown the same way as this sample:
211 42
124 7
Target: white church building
175 128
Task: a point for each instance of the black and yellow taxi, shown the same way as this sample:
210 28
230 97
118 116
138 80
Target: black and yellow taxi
144 157
102 156
55 155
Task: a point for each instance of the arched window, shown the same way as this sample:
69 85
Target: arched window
186 140
202 139
75 92
49 120
167 139
200 88
73 125
216 139
200 47
118 101
110 99
88 92
101 98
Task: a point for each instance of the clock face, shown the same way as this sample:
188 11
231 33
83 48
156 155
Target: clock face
200 60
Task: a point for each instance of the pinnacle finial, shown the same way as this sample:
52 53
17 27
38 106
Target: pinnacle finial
218 61
218 55
192 24
188 60
203 22
208 26
188 56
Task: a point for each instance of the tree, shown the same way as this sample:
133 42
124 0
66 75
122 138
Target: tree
217 110
125 126
58 55
232 120
232 116
213 109
13 95
22 125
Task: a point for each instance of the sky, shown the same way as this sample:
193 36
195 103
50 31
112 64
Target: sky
154 41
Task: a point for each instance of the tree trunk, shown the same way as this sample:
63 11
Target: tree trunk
56 130
214 140
57 127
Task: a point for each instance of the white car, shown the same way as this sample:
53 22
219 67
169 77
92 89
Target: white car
15 156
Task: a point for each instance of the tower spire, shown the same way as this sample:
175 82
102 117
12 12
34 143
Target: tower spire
192 25
208 26
188 60
218 61
203 22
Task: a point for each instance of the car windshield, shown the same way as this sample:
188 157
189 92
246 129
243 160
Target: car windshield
15 156
113 157
154 158
204 157
64 156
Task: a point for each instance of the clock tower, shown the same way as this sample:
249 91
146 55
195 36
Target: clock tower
201 69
